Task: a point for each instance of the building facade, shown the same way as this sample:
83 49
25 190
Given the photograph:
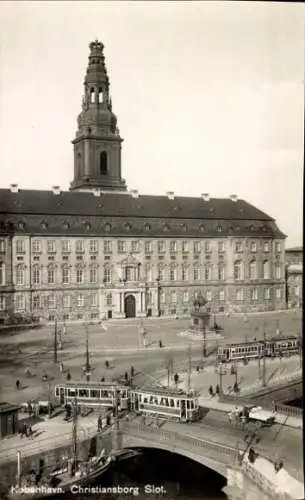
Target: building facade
294 277
101 251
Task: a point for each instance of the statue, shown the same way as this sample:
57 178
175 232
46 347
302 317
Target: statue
199 302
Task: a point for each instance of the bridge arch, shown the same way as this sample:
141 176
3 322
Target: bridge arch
135 443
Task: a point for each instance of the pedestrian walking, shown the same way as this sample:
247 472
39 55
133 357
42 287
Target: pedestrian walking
107 364
99 423
17 384
61 367
132 371
68 376
217 390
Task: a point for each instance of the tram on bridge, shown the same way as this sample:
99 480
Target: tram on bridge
167 403
93 394
158 402
272 347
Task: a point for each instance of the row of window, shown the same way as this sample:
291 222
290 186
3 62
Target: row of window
131 273
51 302
134 246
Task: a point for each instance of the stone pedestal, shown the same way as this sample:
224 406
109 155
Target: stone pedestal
199 321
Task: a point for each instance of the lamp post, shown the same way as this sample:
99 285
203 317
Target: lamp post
87 365
55 342
264 382
204 349
158 296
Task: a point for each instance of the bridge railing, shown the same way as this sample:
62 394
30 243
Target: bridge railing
264 483
174 437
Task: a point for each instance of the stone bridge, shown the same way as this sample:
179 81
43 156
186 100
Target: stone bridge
209 453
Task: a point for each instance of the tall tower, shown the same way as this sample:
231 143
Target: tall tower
97 145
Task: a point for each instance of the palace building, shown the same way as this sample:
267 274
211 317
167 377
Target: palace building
99 250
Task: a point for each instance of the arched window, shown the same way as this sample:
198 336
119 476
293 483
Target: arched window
238 270
252 270
266 270
100 96
92 96
2 273
103 163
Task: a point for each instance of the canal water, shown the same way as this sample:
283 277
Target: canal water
157 474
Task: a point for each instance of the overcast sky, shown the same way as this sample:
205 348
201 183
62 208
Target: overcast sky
209 96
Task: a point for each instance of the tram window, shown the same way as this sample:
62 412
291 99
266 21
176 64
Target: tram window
166 402
83 393
172 403
145 400
178 403
56 391
94 393
187 404
192 405
71 393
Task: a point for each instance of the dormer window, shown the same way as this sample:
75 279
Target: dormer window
108 227
103 163
100 96
147 227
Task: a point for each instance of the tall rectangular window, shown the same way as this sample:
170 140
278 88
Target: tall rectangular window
93 275
185 296
277 247
221 295
122 247
161 275
173 246
161 246
148 246
19 302
196 273
135 246
107 246
19 275
20 246
51 275
80 300
51 246
253 294
185 273
2 303
173 273
185 246
79 275
197 246
240 294
107 275
36 246
266 246
66 301
253 246
65 246
238 247
221 247
93 246
79 246
2 246
65 275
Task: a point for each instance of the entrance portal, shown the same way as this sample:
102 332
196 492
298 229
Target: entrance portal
130 306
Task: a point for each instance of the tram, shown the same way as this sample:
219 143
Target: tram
272 347
93 395
166 403
159 402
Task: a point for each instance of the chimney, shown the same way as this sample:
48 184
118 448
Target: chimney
205 196
233 197
170 195
14 188
134 193
56 189
97 192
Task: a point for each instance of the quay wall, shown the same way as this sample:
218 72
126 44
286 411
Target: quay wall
52 458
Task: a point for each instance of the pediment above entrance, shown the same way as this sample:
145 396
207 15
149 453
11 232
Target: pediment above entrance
130 260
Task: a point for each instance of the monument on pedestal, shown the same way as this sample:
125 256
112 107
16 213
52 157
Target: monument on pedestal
200 317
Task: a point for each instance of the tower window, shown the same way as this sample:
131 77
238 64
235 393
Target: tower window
100 96
103 163
92 96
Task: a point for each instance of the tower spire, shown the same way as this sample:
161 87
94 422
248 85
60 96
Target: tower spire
97 145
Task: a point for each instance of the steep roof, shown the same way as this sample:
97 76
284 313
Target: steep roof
85 214
124 205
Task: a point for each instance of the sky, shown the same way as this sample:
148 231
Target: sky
209 96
